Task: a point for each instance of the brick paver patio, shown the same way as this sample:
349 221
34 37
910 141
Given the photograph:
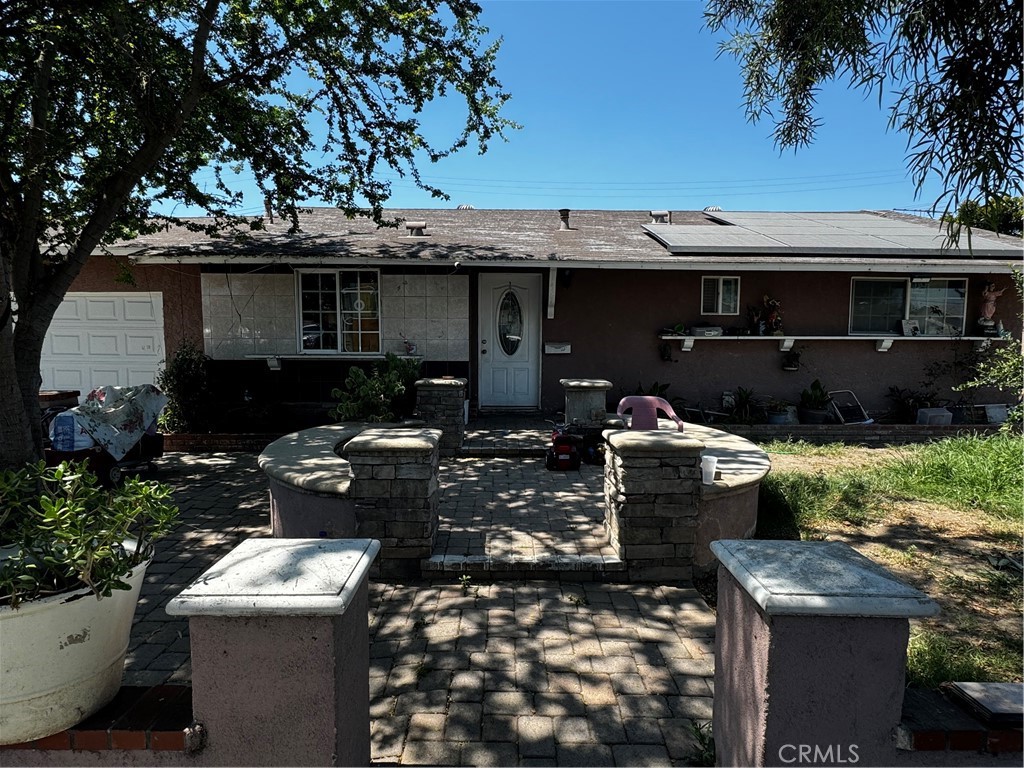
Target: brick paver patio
538 673
506 507
502 673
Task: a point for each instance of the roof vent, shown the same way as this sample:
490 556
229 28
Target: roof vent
465 207
416 228
563 214
661 217
712 209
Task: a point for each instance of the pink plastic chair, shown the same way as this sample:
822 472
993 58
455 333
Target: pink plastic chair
645 411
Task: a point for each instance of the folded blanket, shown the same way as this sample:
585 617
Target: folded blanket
117 417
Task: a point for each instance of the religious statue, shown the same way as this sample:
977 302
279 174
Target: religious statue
757 325
766 320
773 316
988 304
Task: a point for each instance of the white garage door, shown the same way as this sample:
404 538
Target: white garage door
104 338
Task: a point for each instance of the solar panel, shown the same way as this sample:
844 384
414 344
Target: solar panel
827 231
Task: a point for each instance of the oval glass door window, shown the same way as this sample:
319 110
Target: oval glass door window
510 323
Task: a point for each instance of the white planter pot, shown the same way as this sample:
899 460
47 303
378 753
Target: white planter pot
62 658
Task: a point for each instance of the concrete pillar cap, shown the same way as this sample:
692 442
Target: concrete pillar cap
662 442
585 383
818 578
391 440
441 382
280 577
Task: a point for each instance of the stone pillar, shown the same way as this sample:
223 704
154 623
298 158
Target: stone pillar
280 653
585 401
395 490
441 404
651 481
811 650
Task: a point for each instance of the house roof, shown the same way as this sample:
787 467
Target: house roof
853 241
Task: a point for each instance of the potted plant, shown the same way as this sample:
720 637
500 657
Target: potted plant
777 411
814 404
791 361
72 560
743 407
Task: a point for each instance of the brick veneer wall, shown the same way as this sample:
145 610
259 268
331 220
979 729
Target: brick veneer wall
395 489
651 494
440 403
157 719
934 724
856 434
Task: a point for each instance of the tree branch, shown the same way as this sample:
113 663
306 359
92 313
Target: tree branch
115 190
33 185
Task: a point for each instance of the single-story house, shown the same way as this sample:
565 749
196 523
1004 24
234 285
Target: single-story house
515 300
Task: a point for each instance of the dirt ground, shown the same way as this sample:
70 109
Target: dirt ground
850 458
960 558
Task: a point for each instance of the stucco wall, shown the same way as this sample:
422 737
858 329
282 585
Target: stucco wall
178 284
612 319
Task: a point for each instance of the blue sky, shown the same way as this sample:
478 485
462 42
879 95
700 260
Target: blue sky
627 105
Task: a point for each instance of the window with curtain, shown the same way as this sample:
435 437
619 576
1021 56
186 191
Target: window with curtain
720 295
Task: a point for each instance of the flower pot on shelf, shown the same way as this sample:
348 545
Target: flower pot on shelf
62 658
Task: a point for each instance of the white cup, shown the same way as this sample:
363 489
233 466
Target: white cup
708 467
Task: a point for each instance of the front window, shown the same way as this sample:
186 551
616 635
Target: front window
939 306
339 311
879 306
720 296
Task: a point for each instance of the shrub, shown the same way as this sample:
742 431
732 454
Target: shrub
377 396
1000 367
907 402
185 381
745 407
63 532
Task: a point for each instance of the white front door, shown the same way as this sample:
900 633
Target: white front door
509 340
97 339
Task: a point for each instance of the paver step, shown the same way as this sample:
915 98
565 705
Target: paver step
517 437
505 451
557 566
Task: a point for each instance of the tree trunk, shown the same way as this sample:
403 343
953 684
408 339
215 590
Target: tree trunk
29 336
18 445
21 346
